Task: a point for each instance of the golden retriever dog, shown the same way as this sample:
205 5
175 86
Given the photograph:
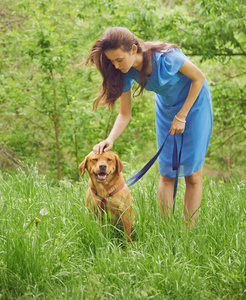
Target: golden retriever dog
107 191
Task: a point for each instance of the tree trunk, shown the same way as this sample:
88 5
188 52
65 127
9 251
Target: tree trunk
55 120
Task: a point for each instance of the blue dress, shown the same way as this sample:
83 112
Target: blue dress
171 89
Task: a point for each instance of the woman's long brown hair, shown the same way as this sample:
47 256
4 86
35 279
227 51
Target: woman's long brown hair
112 85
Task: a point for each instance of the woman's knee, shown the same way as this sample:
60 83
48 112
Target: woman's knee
166 180
195 178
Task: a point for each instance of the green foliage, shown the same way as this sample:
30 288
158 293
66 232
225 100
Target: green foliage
46 103
206 28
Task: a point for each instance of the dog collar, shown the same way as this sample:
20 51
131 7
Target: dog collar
112 193
104 200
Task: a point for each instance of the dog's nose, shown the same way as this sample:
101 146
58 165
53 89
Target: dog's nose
102 166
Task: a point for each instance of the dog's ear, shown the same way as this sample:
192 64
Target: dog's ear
119 164
83 166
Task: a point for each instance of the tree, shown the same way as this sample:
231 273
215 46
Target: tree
46 104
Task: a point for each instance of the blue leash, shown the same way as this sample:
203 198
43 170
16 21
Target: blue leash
175 165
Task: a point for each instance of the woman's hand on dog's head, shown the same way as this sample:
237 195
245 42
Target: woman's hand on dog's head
103 146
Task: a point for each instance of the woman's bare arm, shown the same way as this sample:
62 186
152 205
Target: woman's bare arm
197 77
120 124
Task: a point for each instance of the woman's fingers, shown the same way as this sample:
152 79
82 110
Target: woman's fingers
103 146
98 149
108 147
176 131
177 127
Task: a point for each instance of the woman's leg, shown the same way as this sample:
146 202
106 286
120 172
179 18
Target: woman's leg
193 196
166 187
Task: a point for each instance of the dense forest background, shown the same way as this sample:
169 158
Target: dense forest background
46 102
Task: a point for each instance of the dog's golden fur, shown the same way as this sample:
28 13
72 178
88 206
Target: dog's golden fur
105 172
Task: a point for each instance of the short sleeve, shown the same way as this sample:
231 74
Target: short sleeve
127 83
169 64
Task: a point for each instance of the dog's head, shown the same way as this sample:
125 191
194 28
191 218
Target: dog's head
101 166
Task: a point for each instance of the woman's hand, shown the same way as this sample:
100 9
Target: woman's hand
103 146
178 126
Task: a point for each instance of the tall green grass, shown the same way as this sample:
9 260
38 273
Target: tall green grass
65 255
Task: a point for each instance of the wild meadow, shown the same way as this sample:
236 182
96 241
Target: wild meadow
49 249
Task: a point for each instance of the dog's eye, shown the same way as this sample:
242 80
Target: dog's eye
109 159
94 159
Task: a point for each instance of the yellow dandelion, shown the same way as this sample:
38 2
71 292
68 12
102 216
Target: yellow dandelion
28 234
37 220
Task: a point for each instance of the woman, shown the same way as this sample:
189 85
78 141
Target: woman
182 105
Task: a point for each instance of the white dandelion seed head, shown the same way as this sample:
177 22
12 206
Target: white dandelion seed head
44 212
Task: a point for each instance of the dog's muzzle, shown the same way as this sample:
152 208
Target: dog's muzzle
102 174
